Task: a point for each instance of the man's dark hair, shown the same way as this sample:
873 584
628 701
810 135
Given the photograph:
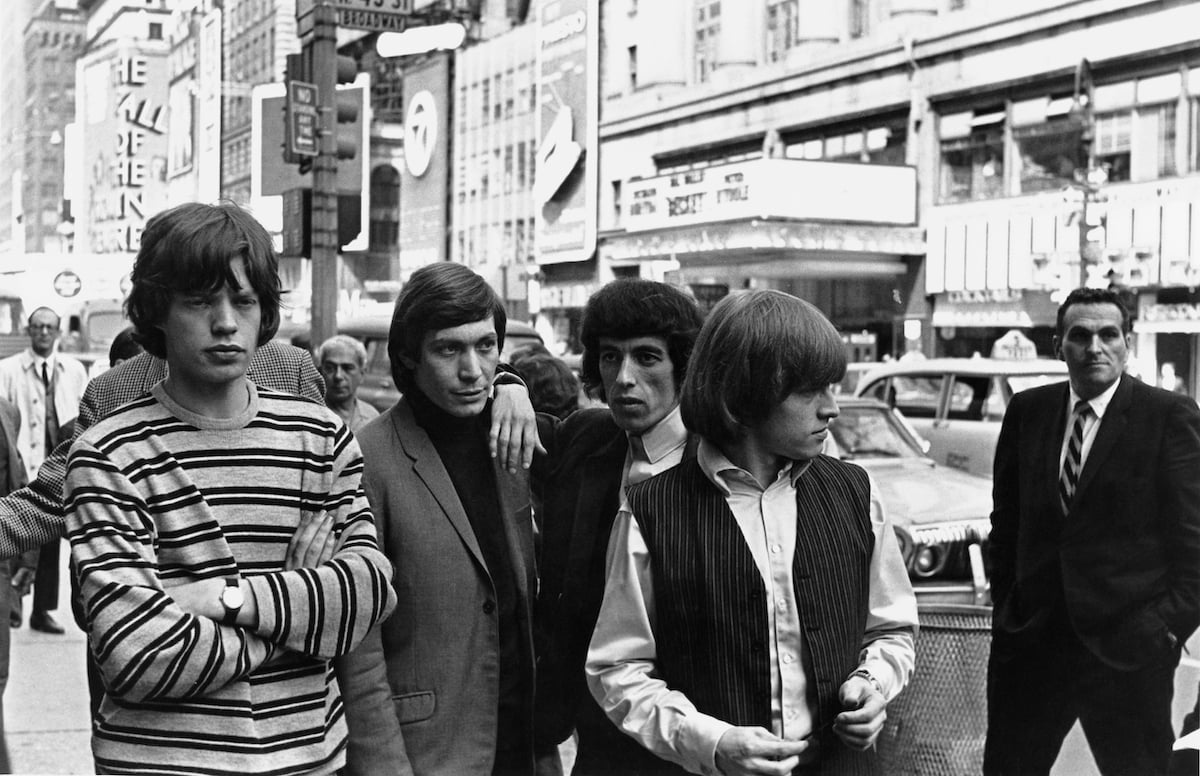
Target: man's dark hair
438 296
633 307
123 347
188 249
1093 296
756 349
553 387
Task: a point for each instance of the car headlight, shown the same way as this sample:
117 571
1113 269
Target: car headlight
928 560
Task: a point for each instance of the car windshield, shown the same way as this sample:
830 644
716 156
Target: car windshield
869 432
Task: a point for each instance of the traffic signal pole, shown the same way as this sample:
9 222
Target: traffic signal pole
324 193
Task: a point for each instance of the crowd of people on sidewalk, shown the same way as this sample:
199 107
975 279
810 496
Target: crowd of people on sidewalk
275 577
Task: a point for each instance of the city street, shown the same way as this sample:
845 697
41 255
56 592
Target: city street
46 703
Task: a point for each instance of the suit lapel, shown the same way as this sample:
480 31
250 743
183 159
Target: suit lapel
1116 417
1051 448
427 465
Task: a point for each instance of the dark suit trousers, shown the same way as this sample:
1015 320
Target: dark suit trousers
1035 697
45 584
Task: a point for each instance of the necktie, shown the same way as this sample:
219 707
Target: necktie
639 464
1072 463
51 437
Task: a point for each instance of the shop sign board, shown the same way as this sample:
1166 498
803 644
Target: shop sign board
773 188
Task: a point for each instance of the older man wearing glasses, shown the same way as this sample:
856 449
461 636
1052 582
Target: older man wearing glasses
46 387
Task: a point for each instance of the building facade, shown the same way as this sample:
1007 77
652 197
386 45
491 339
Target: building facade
911 166
54 38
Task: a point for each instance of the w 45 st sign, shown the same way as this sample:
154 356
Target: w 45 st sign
377 15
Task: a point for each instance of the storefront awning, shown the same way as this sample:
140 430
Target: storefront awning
1001 308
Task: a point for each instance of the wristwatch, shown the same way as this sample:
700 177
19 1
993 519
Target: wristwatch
231 599
863 673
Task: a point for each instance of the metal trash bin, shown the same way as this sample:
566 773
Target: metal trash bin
937 725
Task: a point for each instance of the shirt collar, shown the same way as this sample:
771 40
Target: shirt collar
1099 404
34 361
664 437
719 469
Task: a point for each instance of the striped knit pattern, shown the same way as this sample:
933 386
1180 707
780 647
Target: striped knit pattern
157 497
710 600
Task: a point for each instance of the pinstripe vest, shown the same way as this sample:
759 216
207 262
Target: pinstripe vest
710 605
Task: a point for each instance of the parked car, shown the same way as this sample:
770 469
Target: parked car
941 516
956 404
377 387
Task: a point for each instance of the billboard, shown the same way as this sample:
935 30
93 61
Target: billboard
123 105
568 86
425 179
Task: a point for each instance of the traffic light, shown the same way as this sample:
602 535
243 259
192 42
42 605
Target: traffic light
1093 229
348 106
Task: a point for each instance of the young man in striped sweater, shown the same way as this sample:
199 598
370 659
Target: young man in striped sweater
180 507
757 614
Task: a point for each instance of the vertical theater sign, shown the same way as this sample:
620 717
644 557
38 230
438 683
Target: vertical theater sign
124 154
568 123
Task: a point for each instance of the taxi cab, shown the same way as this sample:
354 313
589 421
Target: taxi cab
956 404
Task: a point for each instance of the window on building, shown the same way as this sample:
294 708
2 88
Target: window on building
521 159
633 68
1113 144
156 30
860 18
498 105
486 97
522 252
508 169
973 166
708 29
783 28
1048 155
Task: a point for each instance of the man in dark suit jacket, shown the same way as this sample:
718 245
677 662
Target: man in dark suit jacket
12 477
459 530
637 337
1095 551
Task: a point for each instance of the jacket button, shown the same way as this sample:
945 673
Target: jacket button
488 607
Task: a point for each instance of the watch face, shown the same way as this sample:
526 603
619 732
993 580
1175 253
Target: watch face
232 597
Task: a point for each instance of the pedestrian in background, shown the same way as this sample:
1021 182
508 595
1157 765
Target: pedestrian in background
46 387
123 347
215 654
553 387
637 336
1095 555
341 360
18 571
757 614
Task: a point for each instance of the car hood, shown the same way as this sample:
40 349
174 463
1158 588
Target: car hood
919 493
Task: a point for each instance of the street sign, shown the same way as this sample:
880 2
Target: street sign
302 118
375 15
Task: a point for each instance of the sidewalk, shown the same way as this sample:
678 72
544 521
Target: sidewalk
46 703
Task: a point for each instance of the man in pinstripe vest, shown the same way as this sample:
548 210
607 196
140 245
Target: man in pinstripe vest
757 615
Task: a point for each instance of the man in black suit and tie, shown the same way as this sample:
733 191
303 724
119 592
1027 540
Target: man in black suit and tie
1095 551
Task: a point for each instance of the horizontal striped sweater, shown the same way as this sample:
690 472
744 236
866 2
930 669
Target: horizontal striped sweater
157 496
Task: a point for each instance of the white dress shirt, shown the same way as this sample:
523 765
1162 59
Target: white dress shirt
655 451
1091 425
621 659
21 383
